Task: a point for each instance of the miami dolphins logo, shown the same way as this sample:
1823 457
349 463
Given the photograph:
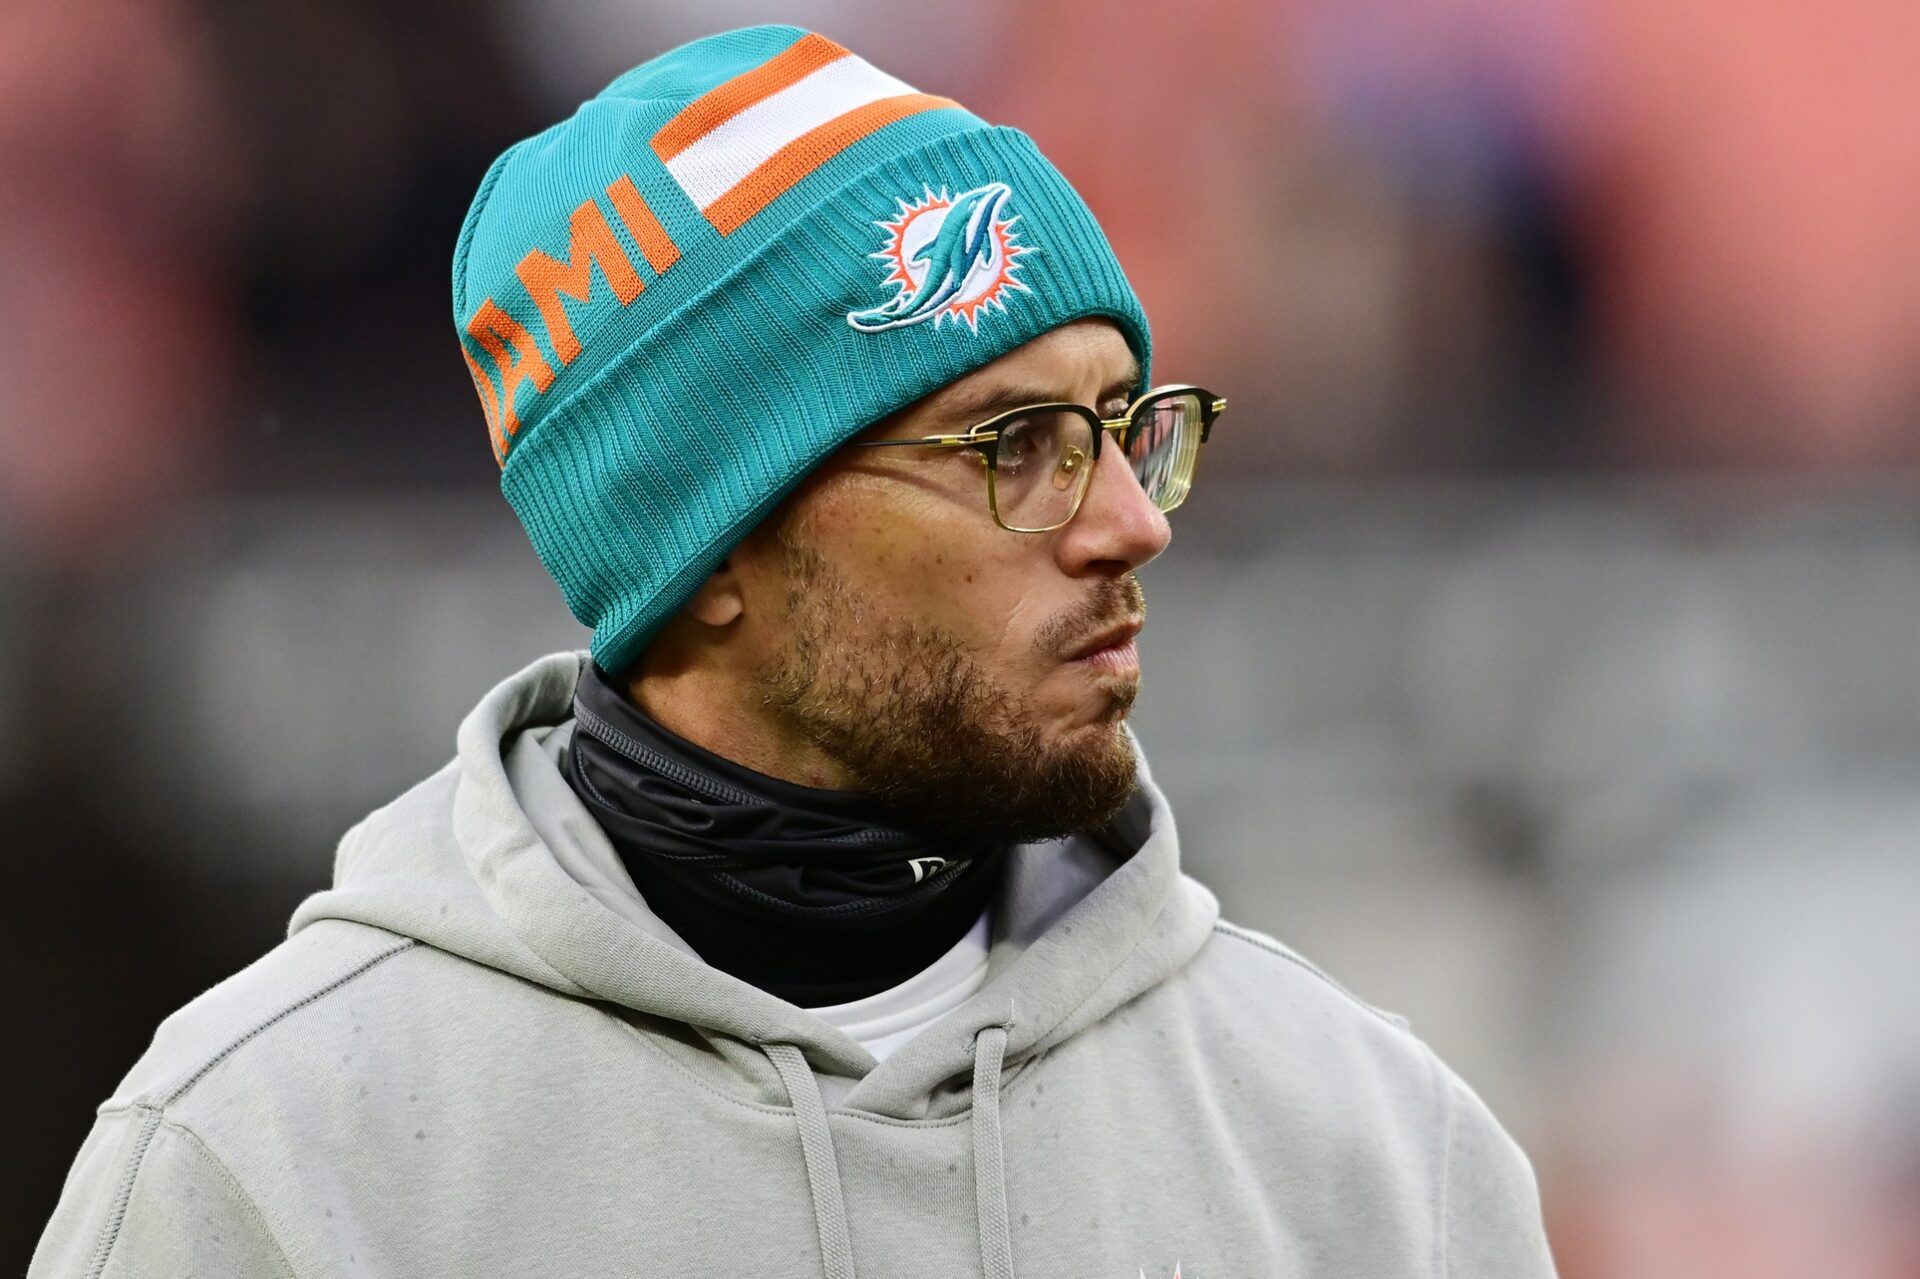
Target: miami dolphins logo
949 257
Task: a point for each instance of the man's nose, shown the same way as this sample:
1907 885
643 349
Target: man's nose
1117 522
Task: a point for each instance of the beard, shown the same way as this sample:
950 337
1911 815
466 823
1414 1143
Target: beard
923 727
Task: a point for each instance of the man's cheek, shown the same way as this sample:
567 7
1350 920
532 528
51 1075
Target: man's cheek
1018 617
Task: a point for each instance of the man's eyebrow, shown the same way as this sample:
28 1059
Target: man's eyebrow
975 404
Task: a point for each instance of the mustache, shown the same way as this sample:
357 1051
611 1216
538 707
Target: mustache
1112 601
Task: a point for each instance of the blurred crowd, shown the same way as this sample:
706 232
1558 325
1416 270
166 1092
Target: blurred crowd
1541 651
1462 235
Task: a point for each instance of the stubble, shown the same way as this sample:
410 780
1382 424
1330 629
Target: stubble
920 725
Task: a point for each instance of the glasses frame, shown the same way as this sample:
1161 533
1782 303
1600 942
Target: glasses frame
985 438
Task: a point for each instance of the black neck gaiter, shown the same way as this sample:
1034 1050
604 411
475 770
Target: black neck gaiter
816 896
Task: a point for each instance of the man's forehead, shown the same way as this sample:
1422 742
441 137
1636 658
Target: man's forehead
1057 365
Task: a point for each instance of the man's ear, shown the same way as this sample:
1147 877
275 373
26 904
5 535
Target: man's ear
720 599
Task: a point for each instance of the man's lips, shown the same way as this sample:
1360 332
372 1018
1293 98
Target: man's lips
1120 659
1118 636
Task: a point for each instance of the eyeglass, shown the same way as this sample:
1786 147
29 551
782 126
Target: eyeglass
1039 459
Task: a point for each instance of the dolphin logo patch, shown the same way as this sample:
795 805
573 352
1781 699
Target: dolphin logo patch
947 257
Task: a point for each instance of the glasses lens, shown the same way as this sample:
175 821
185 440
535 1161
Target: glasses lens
1163 446
1041 467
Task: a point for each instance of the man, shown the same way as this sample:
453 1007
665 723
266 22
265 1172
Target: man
825 920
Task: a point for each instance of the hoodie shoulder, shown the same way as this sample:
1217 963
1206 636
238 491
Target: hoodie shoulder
1264 1006
1289 965
1383 1102
303 970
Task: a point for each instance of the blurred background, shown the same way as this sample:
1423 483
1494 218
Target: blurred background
1540 652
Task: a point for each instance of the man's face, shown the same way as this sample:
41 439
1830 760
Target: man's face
936 660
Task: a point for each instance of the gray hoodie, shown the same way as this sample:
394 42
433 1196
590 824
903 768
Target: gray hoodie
479 1054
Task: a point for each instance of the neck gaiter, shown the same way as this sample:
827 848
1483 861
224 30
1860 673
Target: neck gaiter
816 896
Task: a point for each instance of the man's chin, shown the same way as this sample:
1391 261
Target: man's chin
1105 731
1097 763
1104 735
1068 783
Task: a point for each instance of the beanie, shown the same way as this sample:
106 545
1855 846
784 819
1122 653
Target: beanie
677 302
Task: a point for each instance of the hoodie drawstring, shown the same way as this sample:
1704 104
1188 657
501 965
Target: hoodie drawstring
989 1158
823 1169
816 1147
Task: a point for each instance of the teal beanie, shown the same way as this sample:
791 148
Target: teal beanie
677 302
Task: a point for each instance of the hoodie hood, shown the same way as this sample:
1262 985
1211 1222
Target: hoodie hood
495 860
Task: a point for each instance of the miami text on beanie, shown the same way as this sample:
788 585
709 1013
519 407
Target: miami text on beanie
677 302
